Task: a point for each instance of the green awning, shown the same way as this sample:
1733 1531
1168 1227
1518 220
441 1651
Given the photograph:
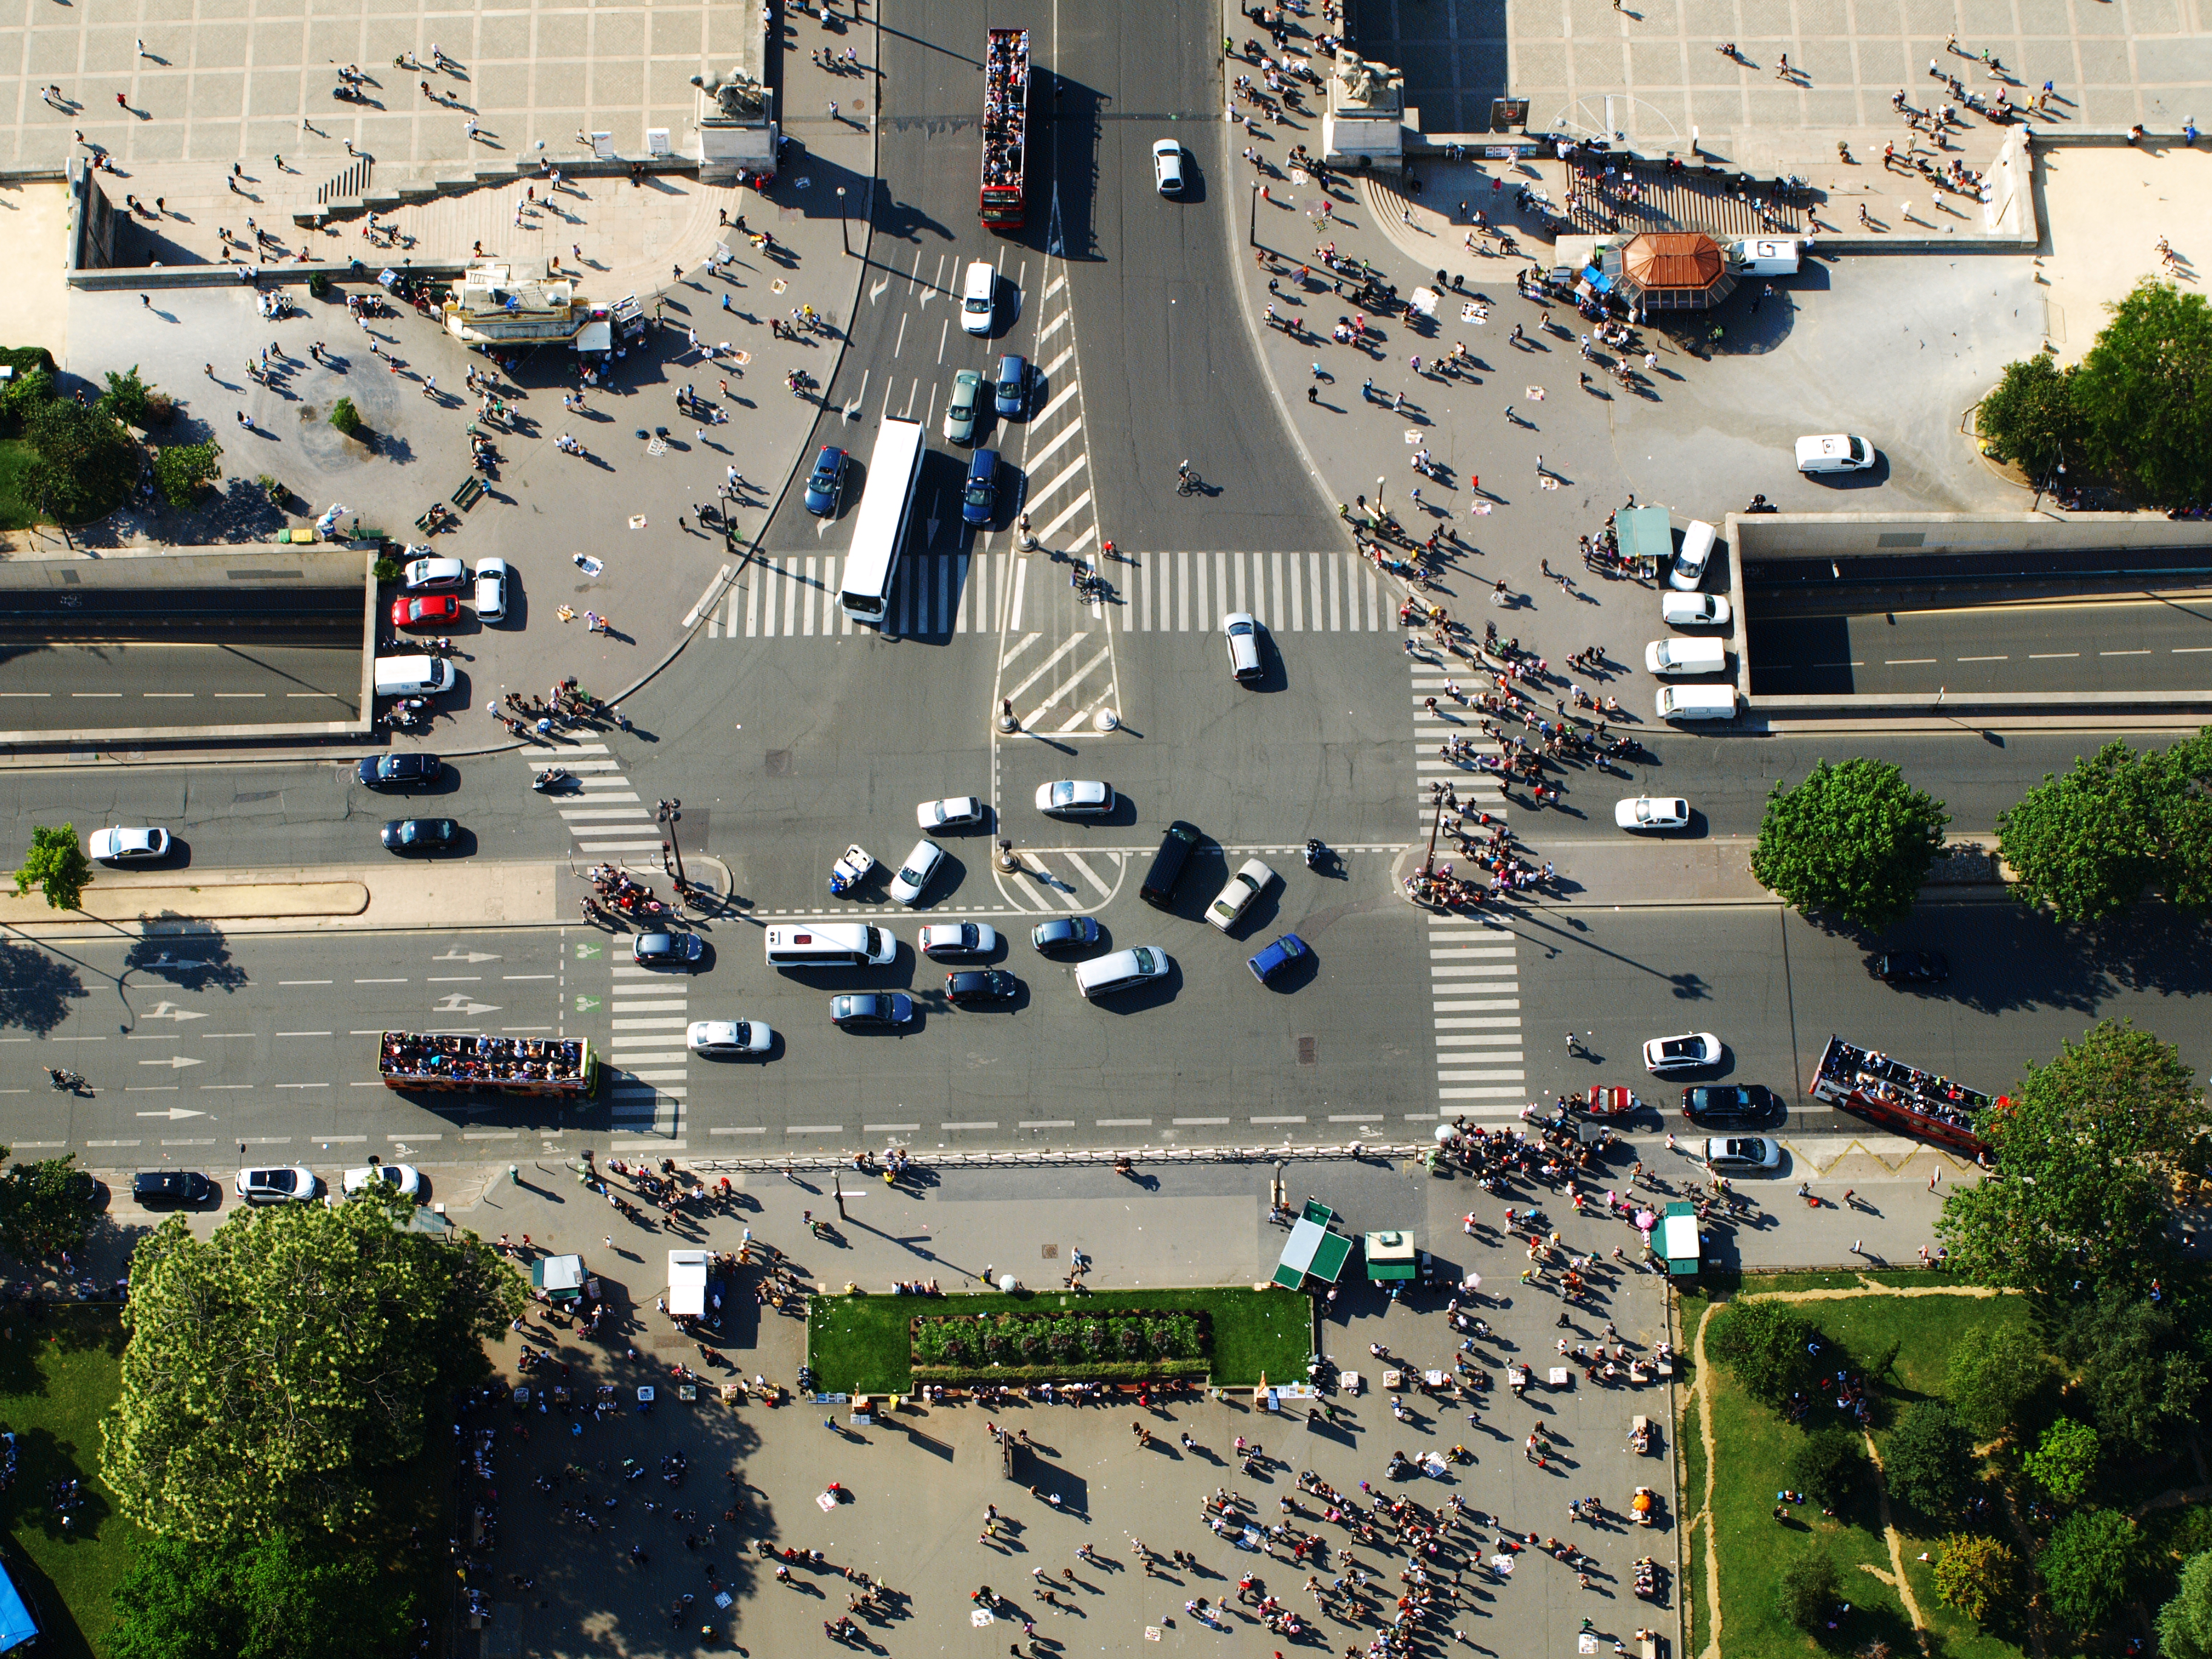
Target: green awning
1313 1252
1390 1255
1645 532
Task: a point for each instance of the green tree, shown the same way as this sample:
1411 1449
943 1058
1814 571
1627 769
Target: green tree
1928 1460
2141 393
2064 1460
1831 1463
268 1598
1853 841
86 464
2088 1567
182 469
56 866
1994 1372
1808 1588
274 1368
2029 417
127 399
2122 822
2134 1367
177 1602
1975 1574
345 417
47 1208
2084 1156
2184 1623
1764 1343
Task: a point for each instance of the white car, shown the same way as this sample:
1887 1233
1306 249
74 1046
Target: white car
1075 798
117 845
1231 904
1837 451
1167 166
435 576
1686 1053
916 873
1242 635
1742 1152
491 590
950 941
977 292
954 812
402 1178
1651 812
1693 609
282 1185
728 1037
1118 970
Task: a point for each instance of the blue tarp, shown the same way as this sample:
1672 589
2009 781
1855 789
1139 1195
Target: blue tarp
16 1624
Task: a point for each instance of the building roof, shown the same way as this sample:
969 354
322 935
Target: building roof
1672 259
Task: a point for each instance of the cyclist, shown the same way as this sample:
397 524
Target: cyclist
1184 477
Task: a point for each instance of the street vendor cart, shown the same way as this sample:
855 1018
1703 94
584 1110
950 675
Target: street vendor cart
560 1277
852 869
1677 1239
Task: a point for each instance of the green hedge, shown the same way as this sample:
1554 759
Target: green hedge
1059 1344
1105 1371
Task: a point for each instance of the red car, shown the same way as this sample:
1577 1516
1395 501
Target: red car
426 610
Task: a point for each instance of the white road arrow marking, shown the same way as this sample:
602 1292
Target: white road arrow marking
458 1003
174 1062
173 1113
170 1010
471 957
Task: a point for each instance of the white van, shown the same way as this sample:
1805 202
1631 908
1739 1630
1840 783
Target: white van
1693 609
832 944
1696 702
687 1284
975 297
413 676
1118 970
1706 656
1690 563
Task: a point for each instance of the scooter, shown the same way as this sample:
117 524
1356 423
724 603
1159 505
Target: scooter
553 777
1315 853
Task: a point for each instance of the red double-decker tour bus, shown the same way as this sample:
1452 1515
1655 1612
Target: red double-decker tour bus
1005 129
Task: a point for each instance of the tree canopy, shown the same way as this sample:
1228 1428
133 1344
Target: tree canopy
2030 418
1830 1462
2143 394
1975 1574
1853 840
47 1208
2083 1160
2088 1567
56 866
1808 1588
2184 1623
1994 1372
1763 1344
2064 1460
128 398
86 463
181 469
274 1597
273 1368
1928 1460
2120 823
2134 1366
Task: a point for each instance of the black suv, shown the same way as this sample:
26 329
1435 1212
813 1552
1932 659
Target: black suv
159 1187
1911 968
1721 1105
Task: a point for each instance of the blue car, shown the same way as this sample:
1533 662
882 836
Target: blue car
1269 965
979 499
1064 934
667 949
397 771
825 485
1010 388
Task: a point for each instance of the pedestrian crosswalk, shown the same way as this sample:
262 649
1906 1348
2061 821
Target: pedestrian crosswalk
603 812
1474 990
794 596
647 1010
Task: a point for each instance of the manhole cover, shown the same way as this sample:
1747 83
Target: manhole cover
778 763
1051 1252
1309 1051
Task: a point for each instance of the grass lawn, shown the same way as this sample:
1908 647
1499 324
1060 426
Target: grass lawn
858 1344
57 1374
15 459
1752 1446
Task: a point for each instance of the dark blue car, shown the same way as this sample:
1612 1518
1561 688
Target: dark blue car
825 485
399 771
979 499
1274 959
1010 388
1064 934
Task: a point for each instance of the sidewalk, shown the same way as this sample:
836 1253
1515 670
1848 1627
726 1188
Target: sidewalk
394 894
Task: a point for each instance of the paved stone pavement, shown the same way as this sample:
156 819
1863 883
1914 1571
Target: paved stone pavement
2114 65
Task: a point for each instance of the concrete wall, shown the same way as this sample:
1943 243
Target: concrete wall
1787 536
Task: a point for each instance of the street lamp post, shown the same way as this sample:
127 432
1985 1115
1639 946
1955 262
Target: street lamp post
667 814
843 241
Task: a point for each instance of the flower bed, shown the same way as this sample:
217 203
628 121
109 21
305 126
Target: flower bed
1026 1347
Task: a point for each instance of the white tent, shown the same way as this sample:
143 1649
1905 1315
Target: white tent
687 1284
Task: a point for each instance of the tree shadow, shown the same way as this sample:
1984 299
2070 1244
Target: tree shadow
36 988
199 961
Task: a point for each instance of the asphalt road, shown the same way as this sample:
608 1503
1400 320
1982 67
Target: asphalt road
82 688
2135 645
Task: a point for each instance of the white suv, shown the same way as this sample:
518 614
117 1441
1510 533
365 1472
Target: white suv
977 294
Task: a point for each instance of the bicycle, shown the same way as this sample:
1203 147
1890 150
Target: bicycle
1187 483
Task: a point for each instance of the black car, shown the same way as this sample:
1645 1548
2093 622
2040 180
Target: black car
980 985
825 485
667 949
422 835
1719 1105
1911 968
155 1188
1064 934
399 771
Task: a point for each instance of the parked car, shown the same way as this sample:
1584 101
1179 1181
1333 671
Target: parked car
728 1037
1119 970
1911 968
286 1183
434 576
956 941
1693 609
975 985
1230 905
872 1011
155 1188
825 485
1075 798
1730 1105
1835 453
405 770
402 1178
667 949
1064 934
119 845
954 812
422 835
914 876
1651 812
1686 1053
960 407
1274 960
1746 1152
492 577
426 610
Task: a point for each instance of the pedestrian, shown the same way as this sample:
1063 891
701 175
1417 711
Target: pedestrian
121 102
1934 1175
146 302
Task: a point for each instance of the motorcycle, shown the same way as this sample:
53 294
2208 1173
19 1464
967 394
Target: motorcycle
67 1081
552 778
1315 853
